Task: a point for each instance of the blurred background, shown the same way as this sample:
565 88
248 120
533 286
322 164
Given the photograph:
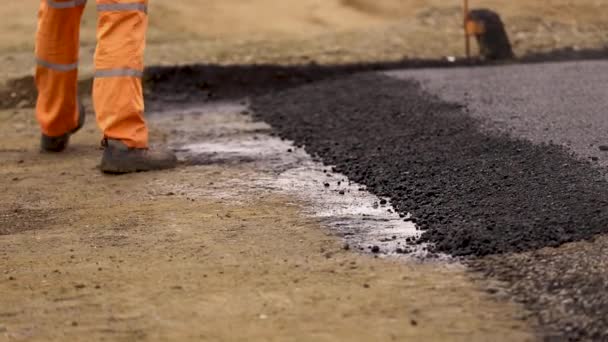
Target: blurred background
324 31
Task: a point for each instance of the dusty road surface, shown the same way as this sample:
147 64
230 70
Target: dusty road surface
252 239
199 254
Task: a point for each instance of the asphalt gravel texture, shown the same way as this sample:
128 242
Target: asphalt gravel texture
556 103
472 193
500 165
565 288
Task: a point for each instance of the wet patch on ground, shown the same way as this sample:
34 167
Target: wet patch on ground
473 193
366 223
226 135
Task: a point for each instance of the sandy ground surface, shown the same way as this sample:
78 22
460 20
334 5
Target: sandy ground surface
186 255
141 257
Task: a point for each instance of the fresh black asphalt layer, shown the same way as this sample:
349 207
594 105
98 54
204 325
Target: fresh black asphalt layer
472 192
482 168
559 103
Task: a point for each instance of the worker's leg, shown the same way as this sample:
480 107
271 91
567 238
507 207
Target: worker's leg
117 89
57 43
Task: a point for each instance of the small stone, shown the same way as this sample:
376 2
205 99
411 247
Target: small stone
341 192
326 185
80 286
492 290
413 322
603 148
375 249
23 104
346 247
383 201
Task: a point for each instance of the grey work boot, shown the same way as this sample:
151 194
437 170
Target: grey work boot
58 144
119 158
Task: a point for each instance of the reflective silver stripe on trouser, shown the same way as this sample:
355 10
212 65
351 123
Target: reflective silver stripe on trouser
56 66
122 7
118 73
65 4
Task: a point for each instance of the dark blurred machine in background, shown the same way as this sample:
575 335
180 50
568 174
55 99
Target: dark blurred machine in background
489 31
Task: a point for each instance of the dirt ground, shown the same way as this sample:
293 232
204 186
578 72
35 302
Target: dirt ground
162 256
183 255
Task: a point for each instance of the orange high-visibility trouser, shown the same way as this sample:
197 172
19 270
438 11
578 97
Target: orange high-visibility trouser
117 90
